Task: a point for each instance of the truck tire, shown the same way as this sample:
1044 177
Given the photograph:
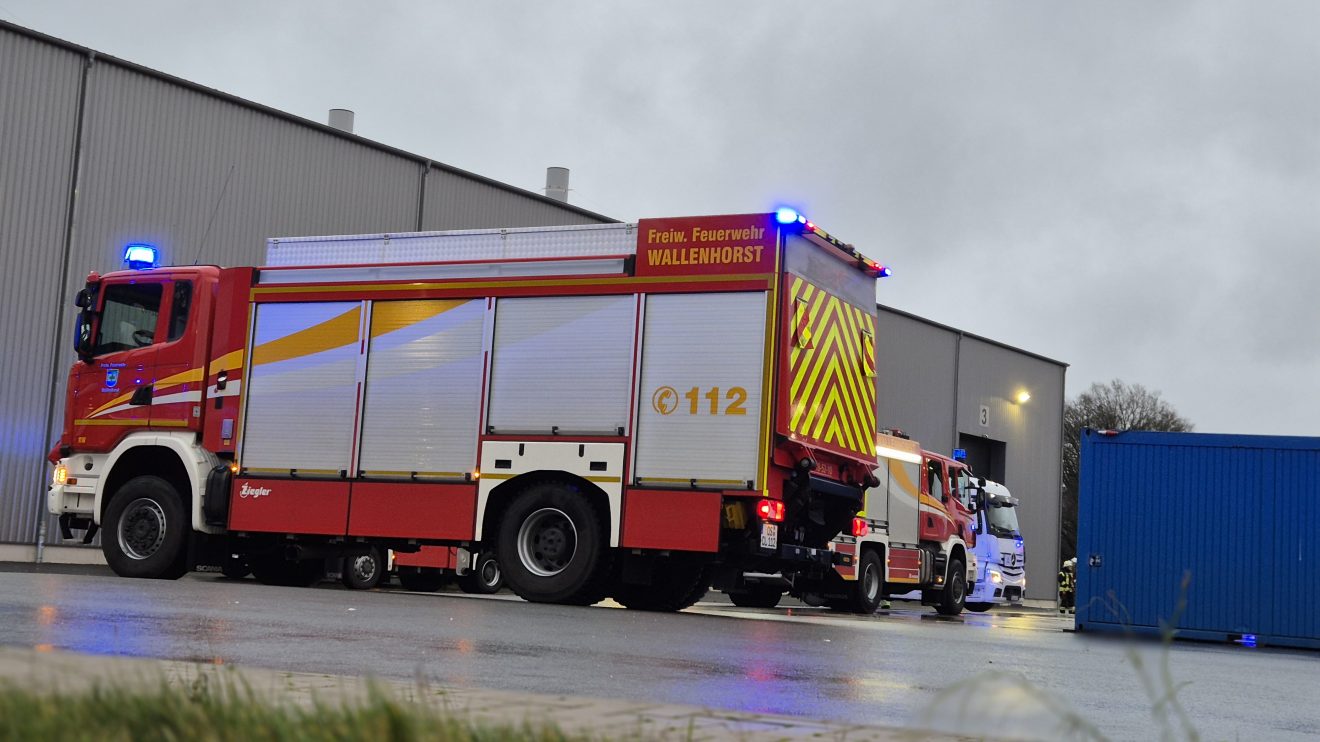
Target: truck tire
484 579
757 596
275 570
552 546
146 530
424 580
978 607
869 589
954 594
672 589
364 571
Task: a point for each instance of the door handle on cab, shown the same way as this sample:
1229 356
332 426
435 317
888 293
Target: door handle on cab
141 395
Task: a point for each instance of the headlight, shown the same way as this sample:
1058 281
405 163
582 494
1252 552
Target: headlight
61 475
996 577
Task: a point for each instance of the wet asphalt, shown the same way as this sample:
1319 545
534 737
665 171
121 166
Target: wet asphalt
1015 672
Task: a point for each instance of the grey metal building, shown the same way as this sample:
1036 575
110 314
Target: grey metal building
951 389
96 152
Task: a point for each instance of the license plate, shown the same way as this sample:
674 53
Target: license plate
769 536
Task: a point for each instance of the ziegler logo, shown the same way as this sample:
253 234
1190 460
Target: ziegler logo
248 490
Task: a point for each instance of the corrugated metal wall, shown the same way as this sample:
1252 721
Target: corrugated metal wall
454 201
205 177
916 366
1032 432
932 381
1230 512
39 87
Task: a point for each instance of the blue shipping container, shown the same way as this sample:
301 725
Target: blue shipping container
1238 516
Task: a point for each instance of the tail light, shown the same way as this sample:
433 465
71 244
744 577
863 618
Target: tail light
771 510
860 527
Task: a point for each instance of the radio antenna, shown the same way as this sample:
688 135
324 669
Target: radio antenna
220 199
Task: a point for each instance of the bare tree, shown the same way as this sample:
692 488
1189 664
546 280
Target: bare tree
1113 406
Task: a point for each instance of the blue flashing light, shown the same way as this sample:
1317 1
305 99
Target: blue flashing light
1248 640
786 215
885 272
959 454
140 256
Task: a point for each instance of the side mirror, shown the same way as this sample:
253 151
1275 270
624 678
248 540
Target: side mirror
82 336
84 299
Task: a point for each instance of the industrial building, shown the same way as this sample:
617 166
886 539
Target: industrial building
97 152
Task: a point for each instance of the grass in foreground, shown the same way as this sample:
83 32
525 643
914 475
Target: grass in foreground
175 713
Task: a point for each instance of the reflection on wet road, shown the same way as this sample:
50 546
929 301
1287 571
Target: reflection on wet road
893 668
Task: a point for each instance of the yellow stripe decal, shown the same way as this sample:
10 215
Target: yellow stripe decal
388 316
333 333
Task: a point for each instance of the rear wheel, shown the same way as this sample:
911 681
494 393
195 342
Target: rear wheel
485 578
953 595
552 546
145 532
672 588
423 580
364 571
758 595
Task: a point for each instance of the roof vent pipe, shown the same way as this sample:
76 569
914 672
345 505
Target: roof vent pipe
556 183
341 119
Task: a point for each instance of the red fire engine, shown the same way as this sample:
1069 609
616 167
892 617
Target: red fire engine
625 410
915 533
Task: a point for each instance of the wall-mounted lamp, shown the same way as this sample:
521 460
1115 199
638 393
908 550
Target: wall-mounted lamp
1023 396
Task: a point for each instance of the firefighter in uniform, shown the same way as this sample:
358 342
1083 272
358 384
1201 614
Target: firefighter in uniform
1068 587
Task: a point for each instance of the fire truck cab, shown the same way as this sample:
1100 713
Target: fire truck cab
626 410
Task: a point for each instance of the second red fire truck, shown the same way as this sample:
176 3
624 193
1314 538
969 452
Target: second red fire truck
626 410
916 533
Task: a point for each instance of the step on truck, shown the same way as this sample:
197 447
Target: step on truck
626 410
1000 555
915 534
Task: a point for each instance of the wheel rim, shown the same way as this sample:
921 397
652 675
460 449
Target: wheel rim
141 528
547 542
364 568
490 572
958 589
871 583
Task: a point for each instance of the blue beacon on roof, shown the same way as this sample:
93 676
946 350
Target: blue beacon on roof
139 256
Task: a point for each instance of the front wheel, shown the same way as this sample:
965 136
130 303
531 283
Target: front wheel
145 532
364 571
954 593
485 578
869 590
552 546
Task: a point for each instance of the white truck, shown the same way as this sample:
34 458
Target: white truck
1002 576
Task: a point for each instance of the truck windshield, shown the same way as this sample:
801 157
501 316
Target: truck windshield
128 319
1002 520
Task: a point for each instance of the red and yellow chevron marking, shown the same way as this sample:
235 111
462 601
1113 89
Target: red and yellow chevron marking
832 367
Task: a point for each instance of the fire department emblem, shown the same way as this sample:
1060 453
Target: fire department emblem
111 378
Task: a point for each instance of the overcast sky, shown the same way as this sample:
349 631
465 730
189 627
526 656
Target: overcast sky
1131 188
